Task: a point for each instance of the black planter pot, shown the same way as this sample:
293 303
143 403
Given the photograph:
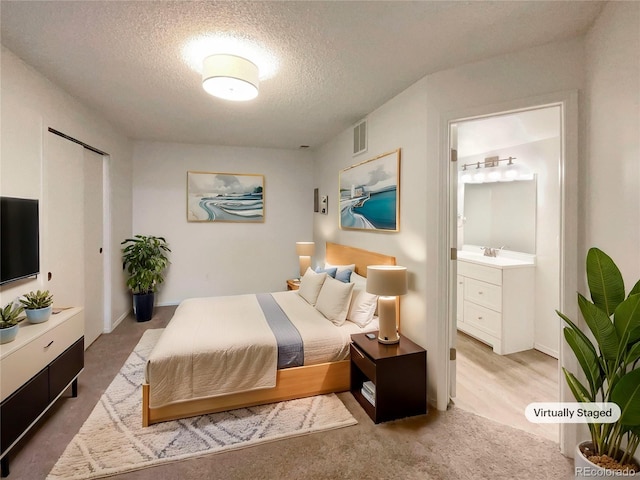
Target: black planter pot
143 306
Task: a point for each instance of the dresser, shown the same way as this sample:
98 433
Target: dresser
495 303
36 368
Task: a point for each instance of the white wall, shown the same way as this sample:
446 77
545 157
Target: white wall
412 121
223 258
610 179
31 104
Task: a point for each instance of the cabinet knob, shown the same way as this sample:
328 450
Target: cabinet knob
479 318
49 344
480 292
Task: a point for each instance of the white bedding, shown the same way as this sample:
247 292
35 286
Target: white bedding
220 345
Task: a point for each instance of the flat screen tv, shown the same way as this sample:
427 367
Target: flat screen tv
19 239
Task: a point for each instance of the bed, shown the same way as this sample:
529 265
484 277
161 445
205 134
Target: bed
192 372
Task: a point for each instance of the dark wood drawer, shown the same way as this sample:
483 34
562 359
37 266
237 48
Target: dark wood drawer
65 368
19 410
364 363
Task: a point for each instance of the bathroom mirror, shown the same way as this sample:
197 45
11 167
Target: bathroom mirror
498 214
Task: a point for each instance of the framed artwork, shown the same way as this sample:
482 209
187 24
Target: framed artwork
369 194
225 197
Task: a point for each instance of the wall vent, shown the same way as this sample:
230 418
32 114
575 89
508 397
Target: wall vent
360 137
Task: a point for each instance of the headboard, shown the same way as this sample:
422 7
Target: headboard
342 255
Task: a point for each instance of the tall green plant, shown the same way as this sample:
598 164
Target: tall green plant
145 259
611 366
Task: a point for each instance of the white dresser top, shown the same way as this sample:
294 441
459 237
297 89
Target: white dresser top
30 331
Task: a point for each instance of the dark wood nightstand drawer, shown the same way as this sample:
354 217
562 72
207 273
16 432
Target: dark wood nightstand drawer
364 363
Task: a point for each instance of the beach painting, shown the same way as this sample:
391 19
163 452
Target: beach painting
369 194
225 197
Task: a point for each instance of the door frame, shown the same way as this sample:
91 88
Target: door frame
568 242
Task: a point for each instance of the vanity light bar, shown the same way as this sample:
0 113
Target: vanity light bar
489 162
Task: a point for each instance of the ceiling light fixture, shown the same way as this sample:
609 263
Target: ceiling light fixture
230 77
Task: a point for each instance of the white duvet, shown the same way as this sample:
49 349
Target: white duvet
220 345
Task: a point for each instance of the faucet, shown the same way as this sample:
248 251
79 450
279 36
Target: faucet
489 252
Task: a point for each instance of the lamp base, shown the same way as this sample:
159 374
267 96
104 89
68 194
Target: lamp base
388 332
389 341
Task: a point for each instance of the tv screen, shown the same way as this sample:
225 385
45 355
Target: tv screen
19 239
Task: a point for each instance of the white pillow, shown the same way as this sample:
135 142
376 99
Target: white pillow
310 285
351 267
362 308
333 300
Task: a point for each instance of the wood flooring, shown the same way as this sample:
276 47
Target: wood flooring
499 387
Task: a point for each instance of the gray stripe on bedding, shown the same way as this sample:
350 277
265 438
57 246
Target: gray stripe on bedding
290 348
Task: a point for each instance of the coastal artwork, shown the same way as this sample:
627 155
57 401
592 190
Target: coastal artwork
369 194
225 197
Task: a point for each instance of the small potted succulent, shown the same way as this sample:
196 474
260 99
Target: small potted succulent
9 322
37 306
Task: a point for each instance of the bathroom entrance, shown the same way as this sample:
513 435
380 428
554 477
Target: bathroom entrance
506 199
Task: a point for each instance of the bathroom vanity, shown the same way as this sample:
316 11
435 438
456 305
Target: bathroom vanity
495 300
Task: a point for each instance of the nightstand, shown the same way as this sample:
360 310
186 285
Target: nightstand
293 284
398 372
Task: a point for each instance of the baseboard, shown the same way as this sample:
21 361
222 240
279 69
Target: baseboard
120 319
546 350
167 304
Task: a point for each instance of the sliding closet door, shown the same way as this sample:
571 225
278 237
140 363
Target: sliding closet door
93 264
64 205
73 179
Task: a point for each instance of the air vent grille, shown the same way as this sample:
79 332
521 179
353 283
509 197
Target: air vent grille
360 137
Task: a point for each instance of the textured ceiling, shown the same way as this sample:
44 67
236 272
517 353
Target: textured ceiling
336 61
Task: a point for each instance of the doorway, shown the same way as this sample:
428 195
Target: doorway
508 216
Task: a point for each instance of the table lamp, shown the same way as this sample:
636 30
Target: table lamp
387 281
304 251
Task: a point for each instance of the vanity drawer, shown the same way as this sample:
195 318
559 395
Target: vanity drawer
480 272
483 293
482 318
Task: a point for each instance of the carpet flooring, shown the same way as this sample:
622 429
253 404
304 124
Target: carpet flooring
113 441
438 446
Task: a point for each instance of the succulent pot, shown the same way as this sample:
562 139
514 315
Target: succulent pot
8 334
38 315
587 469
143 306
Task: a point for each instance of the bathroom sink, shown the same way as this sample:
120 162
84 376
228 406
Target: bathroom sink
501 260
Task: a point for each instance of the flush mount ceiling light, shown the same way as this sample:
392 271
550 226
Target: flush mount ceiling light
230 77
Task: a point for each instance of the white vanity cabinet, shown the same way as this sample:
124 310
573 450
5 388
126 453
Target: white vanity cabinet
496 304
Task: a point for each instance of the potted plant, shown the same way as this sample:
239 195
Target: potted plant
9 322
145 259
37 306
611 366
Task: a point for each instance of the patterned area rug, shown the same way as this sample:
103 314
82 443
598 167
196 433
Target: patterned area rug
112 440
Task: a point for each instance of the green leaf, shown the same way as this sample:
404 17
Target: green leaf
602 328
636 289
605 281
587 358
626 318
626 394
580 393
633 354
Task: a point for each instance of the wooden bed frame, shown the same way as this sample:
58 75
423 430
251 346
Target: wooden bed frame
297 382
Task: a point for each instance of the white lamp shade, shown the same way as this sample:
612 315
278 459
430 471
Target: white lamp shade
305 249
387 280
230 77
